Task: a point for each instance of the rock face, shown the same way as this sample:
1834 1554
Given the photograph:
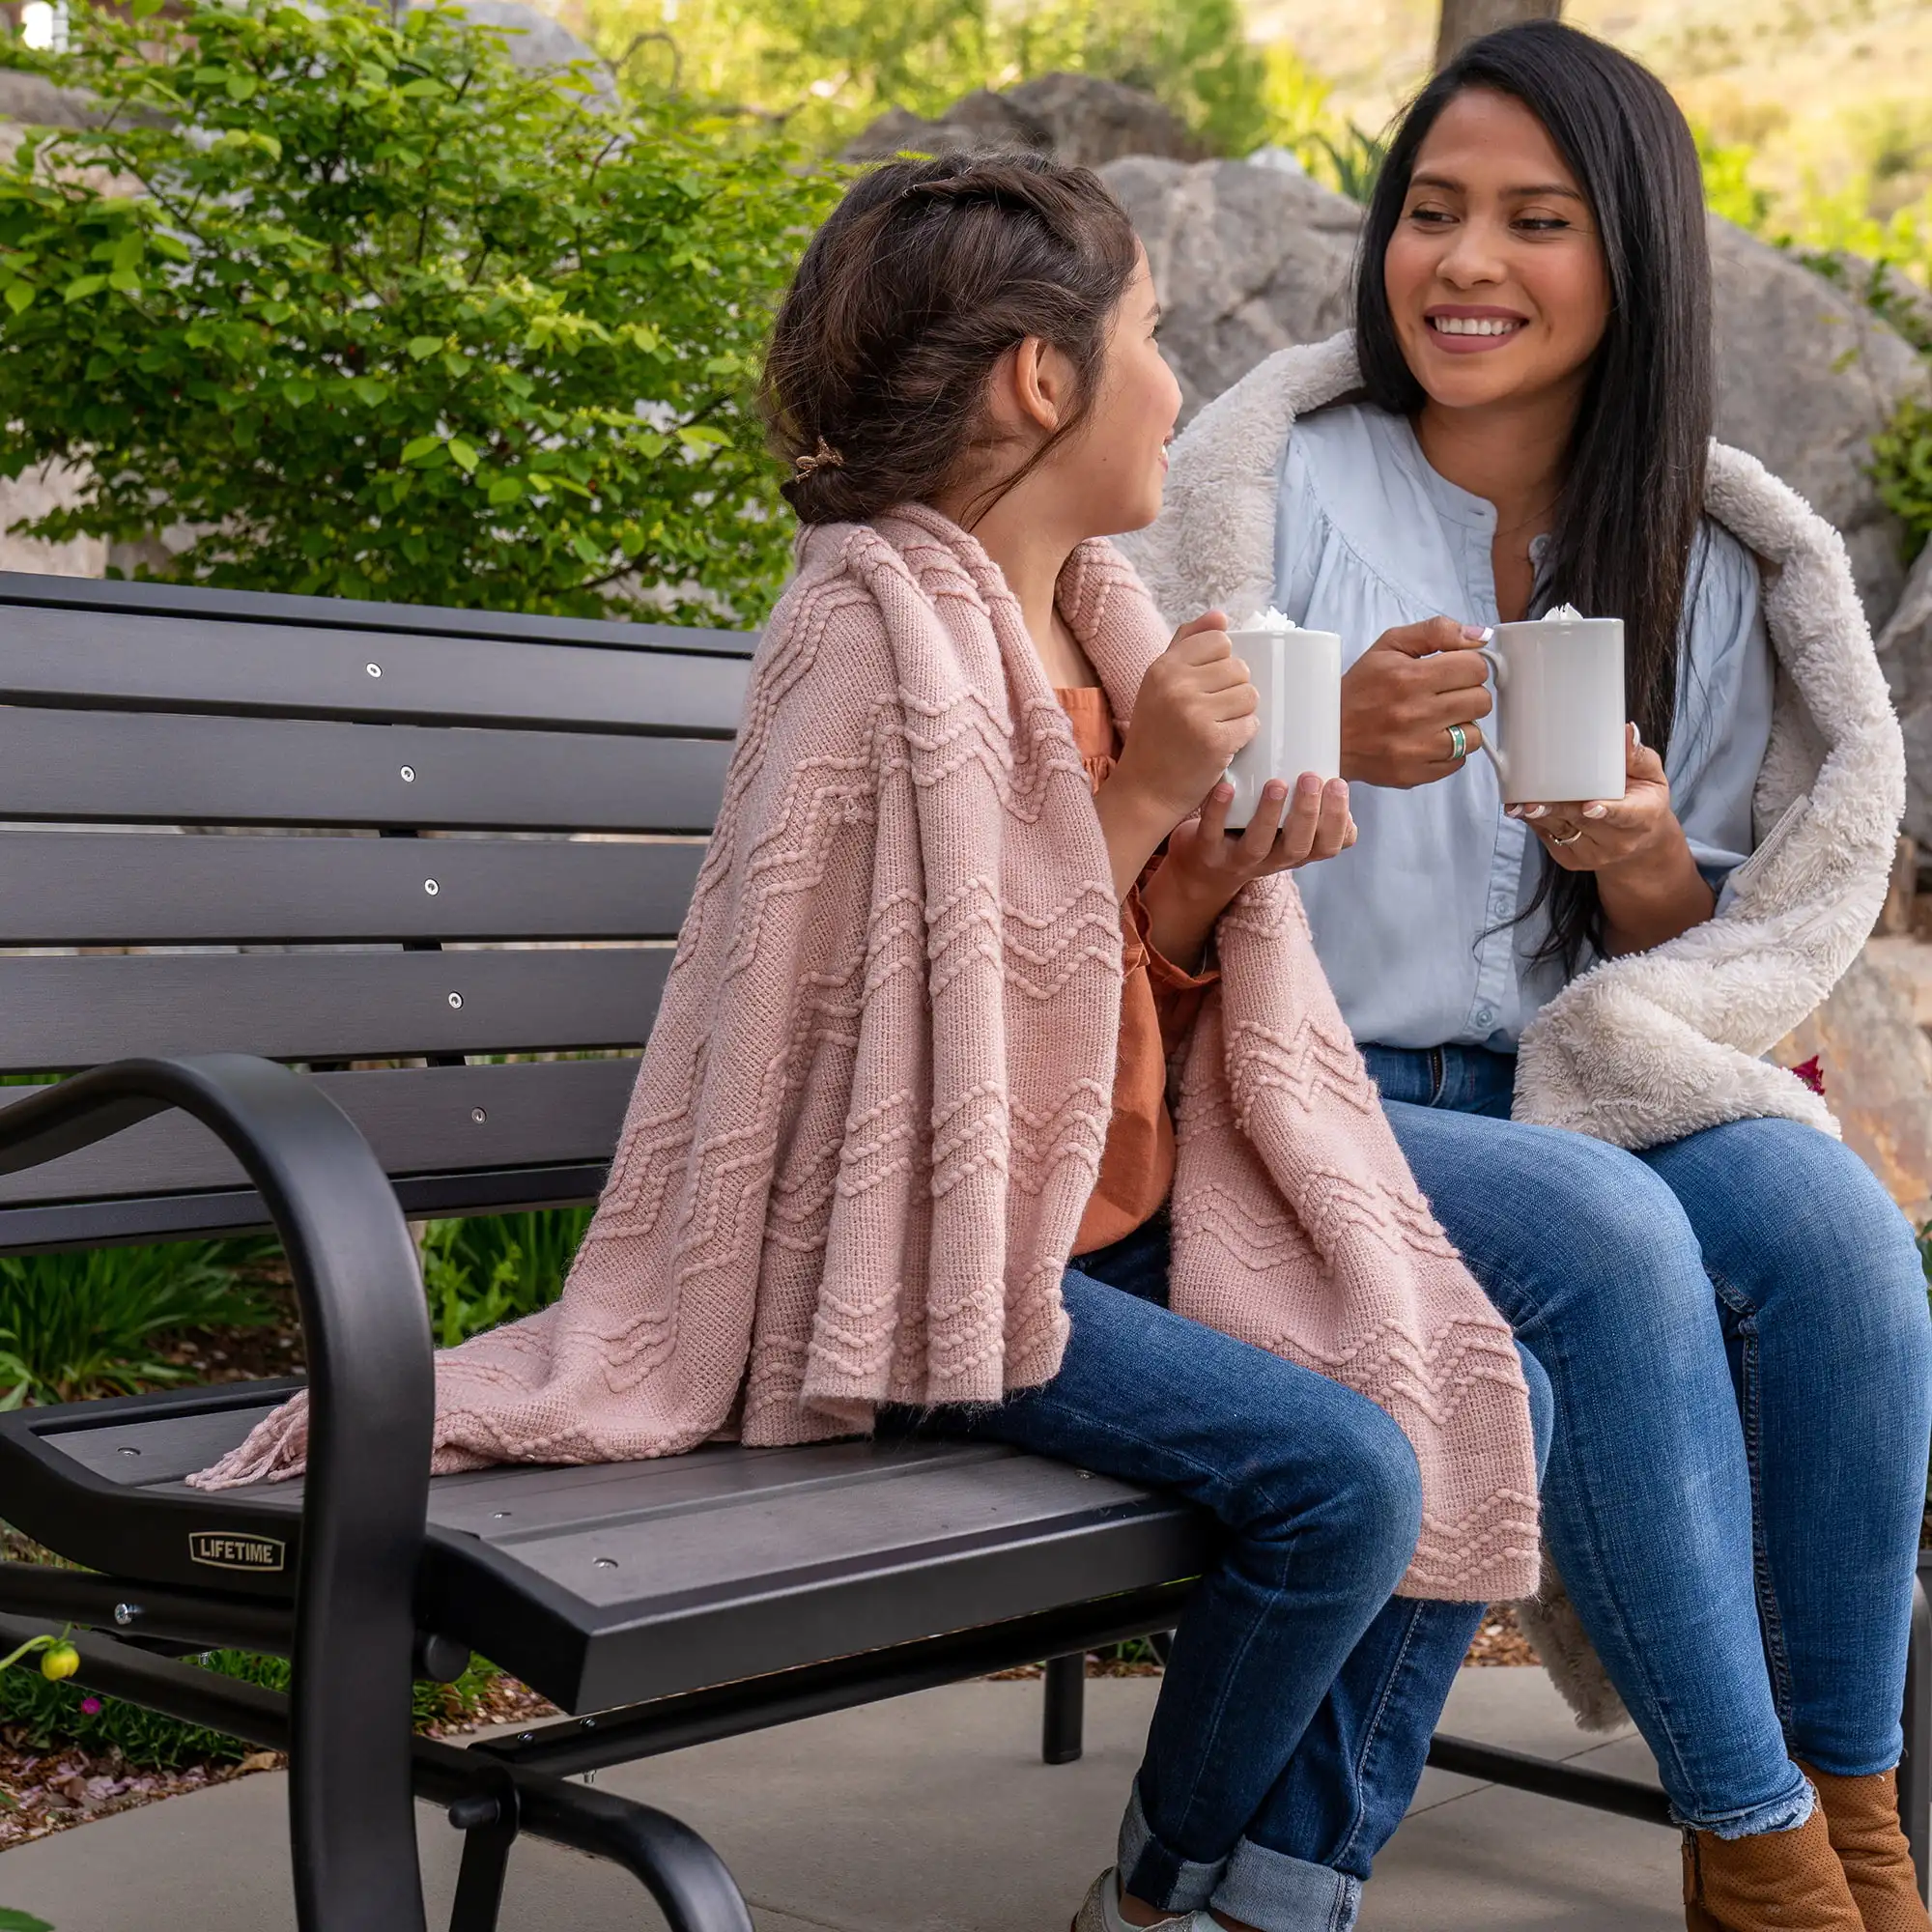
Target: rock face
538 42
1870 1044
1247 260
47 487
1905 651
1805 378
1076 118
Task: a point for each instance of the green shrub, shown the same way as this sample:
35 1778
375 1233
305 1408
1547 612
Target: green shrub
390 317
21 1921
77 1326
494 1267
1902 466
46 1715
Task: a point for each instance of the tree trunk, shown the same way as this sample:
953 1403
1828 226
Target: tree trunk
1466 20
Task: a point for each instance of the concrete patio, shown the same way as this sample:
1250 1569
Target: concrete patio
929 1814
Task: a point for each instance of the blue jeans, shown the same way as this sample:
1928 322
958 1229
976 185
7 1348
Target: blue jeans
1297 1704
1734 1327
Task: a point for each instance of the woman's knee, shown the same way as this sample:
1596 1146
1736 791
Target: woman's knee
1369 1502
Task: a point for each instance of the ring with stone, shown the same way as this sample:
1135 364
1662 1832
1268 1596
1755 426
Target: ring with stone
1571 841
1459 744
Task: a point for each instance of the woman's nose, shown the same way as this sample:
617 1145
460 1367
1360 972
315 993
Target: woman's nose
1472 257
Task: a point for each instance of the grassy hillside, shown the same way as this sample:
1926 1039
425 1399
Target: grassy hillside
1834 95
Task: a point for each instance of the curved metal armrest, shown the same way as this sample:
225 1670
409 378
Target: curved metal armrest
372 1401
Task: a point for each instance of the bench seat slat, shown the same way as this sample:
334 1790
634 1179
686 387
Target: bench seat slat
417 1119
76 658
58 1014
130 768
145 889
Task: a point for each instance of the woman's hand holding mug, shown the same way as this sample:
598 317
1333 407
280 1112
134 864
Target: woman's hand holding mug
1410 703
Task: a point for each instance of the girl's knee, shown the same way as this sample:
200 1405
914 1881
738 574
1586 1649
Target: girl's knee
1375 1495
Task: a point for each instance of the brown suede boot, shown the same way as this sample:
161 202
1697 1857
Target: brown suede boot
1776 1882
1861 1817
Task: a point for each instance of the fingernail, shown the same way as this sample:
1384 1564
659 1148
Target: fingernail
1337 788
1275 789
1224 793
1511 811
1308 785
1535 810
1596 811
1479 633
1636 737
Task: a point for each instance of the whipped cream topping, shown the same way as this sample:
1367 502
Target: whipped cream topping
1564 613
1270 620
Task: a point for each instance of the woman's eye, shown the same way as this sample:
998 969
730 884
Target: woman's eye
1431 217
1541 224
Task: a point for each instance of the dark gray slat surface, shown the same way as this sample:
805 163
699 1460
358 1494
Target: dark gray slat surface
115 1221
635 1540
61 1013
193 600
156 888
93 661
418 1121
131 768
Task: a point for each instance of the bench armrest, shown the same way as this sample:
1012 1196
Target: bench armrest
372 1396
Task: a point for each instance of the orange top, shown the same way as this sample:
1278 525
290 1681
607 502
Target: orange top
1158 1002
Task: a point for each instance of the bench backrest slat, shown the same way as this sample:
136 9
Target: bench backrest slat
157 888
418 1121
58 1014
131 768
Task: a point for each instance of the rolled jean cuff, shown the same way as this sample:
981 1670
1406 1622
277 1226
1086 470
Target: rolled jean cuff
1781 1814
1157 1874
1277 1893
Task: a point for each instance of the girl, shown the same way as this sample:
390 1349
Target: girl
1731 1312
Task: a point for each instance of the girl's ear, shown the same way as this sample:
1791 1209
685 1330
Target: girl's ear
1041 382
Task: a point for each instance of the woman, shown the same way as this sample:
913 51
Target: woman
910 1059
1731 1312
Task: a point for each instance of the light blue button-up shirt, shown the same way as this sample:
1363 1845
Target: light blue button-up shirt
1418 924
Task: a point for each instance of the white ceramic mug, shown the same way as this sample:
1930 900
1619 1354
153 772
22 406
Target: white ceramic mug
1557 732
1297 676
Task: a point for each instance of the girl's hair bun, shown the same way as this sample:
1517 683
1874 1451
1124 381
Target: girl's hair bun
924 274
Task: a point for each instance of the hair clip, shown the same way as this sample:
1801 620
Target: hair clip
824 457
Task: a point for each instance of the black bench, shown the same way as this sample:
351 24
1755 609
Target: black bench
341 834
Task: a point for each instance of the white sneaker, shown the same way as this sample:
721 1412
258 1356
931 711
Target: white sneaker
1102 1913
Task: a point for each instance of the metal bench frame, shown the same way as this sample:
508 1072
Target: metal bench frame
351 1624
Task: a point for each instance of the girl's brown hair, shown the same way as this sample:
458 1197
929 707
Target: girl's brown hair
923 276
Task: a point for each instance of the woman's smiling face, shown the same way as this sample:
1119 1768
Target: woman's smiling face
1495 274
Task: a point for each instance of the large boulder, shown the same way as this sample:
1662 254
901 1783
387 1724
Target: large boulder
1077 118
1905 651
1806 376
1247 260
539 44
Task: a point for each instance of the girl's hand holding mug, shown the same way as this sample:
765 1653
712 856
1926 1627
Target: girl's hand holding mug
1194 711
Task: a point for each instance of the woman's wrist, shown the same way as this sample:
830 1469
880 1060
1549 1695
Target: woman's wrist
1655 894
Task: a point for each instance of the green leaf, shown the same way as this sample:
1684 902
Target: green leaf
416 450
369 391
124 281
424 346
461 455
83 287
20 296
585 549
506 490
297 390
241 86
416 90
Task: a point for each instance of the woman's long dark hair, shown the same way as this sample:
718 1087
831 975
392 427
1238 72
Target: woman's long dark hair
1628 517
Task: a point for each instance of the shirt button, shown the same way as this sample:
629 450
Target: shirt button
1485 1015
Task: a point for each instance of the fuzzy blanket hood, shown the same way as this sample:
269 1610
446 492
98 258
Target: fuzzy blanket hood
1642 1050
874 1103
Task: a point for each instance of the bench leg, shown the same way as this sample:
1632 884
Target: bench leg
1915 1768
1062 1729
489 1825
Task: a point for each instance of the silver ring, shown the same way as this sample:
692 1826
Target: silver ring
1572 840
1459 744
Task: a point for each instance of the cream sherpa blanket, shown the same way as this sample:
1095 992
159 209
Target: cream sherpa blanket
1642 1050
872 1108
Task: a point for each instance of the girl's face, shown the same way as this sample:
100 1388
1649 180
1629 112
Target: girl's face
1109 475
1495 274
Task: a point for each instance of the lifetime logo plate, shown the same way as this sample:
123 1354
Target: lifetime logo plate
224 1550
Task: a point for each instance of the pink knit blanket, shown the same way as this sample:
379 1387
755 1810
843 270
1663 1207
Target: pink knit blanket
874 1103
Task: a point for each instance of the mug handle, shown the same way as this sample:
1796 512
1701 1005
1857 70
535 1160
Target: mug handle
1497 757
